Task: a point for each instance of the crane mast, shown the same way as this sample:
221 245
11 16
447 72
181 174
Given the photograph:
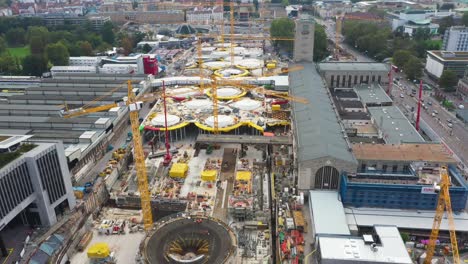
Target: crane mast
142 177
443 203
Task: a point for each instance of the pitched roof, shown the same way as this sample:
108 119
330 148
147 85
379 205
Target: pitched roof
318 133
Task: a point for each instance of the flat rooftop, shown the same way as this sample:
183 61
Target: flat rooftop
328 213
349 94
407 219
461 56
403 152
7 141
391 249
395 127
372 94
353 66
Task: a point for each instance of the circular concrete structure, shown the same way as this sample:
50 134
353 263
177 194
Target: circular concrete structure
247 104
223 121
231 73
190 241
216 65
159 120
200 104
250 64
183 91
227 92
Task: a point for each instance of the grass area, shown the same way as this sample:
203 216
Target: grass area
8 157
20 52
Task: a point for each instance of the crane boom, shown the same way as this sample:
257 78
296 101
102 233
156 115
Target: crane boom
443 203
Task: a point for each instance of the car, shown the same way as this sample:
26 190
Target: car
449 120
433 115
450 125
435 112
429 103
402 96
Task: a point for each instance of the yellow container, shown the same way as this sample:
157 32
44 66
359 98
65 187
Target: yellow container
208 175
178 170
276 107
271 65
99 251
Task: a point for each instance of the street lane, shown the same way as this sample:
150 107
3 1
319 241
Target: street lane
455 137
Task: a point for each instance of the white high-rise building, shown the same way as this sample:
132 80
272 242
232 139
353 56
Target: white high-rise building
456 39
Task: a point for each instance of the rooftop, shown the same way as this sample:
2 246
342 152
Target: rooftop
318 130
371 94
390 250
345 94
354 115
406 219
449 55
403 152
325 204
353 66
394 125
350 103
7 141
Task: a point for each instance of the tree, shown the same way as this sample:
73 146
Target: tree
58 54
448 80
465 19
94 40
285 2
138 37
413 68
422 34
445 23
400 57
127 45
282 28
15 37
86 49
405 237
107 33
3 45
34 65
37 45
320 43
147 48
8 64
39 32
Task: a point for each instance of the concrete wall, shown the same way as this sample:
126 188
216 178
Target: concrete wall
308 170
350 80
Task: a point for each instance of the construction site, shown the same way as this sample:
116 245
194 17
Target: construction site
209 143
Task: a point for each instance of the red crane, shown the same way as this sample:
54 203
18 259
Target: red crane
167 157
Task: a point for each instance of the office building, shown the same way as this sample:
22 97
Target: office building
35 183
455 39
438 61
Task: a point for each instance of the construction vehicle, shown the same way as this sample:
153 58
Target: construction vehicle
119 227
443 203
129 137
100 253
106 227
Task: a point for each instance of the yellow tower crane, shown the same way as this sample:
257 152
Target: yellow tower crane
443 204
134 105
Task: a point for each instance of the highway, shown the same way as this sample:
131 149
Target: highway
454 137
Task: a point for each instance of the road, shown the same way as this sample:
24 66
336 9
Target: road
454 137
118 141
